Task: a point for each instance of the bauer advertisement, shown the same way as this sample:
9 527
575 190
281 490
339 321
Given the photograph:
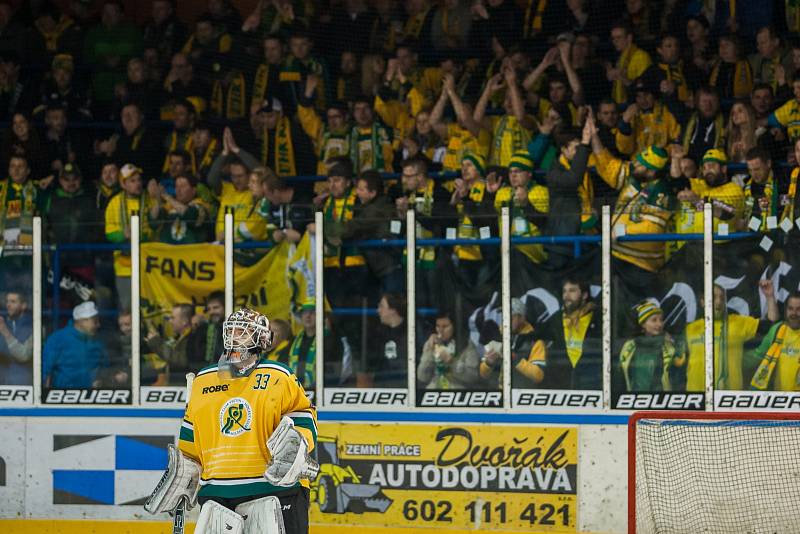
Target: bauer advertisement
477 477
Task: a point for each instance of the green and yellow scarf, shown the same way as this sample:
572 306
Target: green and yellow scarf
374 160
234 96
284 149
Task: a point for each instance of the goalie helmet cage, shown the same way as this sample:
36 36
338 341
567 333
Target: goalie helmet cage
721 472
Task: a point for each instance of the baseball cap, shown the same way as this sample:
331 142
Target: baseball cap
70 169
715 154
128 170
271 105
517 307
565 36
84 310
63 61
342 166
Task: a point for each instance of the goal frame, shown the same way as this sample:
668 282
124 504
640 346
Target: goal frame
694 415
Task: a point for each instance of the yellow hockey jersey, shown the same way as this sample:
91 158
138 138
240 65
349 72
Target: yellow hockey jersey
228 422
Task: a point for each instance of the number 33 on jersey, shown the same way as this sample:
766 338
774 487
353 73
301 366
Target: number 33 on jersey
228 422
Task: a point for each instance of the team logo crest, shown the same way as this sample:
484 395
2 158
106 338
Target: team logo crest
235 417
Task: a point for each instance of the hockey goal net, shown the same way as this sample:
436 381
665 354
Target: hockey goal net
723 473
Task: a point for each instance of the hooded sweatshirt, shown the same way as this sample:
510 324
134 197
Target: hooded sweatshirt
71 358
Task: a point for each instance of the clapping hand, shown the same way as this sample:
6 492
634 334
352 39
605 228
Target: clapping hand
493 182
496 83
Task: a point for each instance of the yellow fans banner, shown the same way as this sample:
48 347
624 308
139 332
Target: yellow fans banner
301 272
481 477
172 274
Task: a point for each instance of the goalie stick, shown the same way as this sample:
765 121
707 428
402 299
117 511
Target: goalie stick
179 514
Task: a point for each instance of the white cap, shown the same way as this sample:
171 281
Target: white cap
84 310
517 307
270 105
128 170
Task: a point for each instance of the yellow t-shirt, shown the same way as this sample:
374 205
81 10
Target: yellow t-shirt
509 136
741 329
240 201
788 362
467 228
656 127
788 116
115 212
459 141
539 198
227 424
632 62
575 335
689 219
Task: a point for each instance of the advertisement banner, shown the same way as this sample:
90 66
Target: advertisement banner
12 468
95 468
509 478
16 395
189 273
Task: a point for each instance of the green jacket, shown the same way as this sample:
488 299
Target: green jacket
645 363
107 51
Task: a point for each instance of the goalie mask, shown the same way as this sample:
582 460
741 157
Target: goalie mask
245 335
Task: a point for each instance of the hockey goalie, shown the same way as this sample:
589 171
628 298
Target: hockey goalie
243 451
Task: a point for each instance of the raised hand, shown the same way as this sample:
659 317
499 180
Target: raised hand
460 190
153 189
401 203
252 22
520 195
493 182
509 75
312 82
230 141
496 83
564 48
629 113
589 128
677 151
767 287
479 10
449 83
392 68
551 57
550 121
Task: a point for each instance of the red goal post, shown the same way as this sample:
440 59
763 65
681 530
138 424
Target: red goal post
697 470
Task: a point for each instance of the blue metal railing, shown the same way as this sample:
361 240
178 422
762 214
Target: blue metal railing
576 241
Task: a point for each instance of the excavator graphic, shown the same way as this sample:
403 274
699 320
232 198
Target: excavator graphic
338 489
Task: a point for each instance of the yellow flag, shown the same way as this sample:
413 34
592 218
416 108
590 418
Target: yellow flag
301 275
173 274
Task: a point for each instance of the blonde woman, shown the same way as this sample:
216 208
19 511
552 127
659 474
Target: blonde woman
741 131
373 68
253 222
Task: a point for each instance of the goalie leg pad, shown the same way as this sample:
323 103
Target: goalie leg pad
216 519
262 516
289 451
181 479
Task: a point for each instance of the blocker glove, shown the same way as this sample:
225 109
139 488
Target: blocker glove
290 461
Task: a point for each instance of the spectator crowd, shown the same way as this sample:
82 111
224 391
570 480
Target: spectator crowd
365 109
